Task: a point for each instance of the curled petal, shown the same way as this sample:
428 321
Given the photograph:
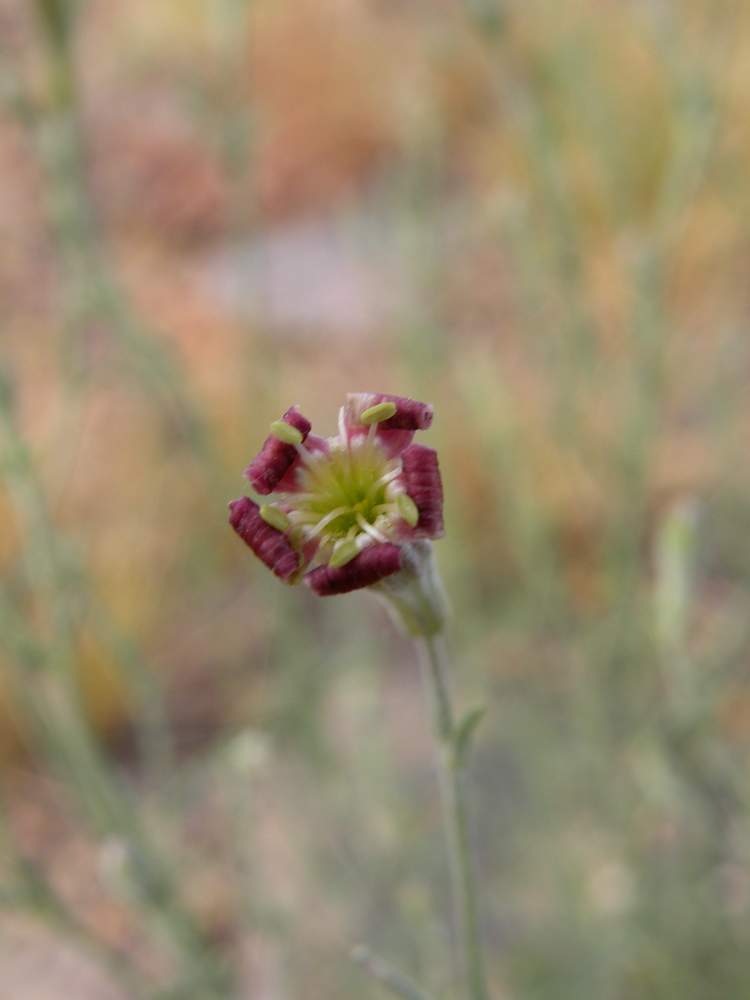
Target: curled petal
289 482
410 414
276 457
421 477
372 564
394 442
270 545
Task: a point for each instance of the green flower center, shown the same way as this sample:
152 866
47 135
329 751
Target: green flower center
345 493
348 498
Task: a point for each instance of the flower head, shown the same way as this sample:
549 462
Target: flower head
343 512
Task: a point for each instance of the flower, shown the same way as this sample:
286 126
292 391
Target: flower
344 512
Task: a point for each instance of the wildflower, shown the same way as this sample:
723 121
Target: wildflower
360 510
348 511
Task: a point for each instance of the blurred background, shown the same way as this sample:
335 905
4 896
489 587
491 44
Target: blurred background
534 215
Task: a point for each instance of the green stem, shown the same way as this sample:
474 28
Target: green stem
433 655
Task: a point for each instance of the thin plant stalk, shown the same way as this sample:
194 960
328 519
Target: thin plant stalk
57 713
389 977
434 659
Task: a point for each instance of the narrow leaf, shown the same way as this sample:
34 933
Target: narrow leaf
465 730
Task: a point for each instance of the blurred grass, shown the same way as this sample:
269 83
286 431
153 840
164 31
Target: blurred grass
565 195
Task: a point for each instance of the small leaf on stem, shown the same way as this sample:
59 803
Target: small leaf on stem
465 730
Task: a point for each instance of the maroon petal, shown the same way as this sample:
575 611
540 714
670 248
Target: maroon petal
410 415
371 565
271 546
421 475
276 457
289 481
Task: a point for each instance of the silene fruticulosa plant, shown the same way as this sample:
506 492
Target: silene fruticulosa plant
360 510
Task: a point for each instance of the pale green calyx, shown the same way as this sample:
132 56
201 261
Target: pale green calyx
378 413
415 596
286 433
275 517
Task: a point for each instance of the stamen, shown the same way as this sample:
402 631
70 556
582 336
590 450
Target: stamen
286 433
371 530
303 517
390 476
376 414
327 520
407 509
384 480
275 517
306 456
298 498
342 427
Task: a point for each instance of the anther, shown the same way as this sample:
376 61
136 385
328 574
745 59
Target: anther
376 414
275 517
343 552
407 509
286 433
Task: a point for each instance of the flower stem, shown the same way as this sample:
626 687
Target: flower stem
433 655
